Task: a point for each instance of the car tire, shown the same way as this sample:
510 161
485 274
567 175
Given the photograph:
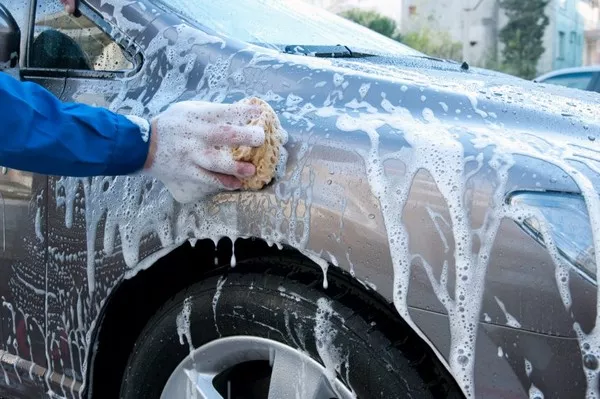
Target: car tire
277 308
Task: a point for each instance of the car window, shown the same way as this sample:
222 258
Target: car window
276 24
578 80
63 41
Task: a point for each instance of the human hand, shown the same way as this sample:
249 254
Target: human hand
69 6
190 147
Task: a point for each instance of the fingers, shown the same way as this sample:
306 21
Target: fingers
221 181
201 184
221 161
218 124
229 135
228 182
236 114
193 150
240 113
233 168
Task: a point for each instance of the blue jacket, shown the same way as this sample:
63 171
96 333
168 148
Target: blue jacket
41 134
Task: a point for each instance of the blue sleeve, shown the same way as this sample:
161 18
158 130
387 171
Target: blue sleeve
41 134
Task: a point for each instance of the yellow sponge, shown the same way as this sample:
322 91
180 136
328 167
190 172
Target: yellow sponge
265 157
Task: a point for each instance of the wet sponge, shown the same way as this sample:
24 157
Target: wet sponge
265 157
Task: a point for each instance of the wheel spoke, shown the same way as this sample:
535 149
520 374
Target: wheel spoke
294 374
283 384
292 378
201 386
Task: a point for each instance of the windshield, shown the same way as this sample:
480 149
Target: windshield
278 23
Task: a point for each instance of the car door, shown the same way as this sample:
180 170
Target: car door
23 239
80 56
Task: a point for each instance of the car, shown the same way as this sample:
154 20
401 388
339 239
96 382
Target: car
433 232
584 78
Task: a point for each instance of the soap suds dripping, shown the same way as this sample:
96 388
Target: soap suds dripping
183 324
322 263
500 162
528 368
589 344
325 334
233 261
38 225
510 319
437 151
215 300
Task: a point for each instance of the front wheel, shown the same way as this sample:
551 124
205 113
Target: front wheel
257 336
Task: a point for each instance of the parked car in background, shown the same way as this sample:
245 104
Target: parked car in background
584 78
433 233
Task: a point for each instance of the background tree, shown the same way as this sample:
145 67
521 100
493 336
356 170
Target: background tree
372 20
523 36
425 39
433 43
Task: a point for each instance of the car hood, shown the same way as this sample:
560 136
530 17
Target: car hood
497 97
481 108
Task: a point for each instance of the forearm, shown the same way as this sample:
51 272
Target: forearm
41 134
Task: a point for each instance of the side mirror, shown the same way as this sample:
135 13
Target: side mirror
10 39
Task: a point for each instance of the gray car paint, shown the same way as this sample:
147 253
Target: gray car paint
323 205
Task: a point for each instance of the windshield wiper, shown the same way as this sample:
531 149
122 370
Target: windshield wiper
337 51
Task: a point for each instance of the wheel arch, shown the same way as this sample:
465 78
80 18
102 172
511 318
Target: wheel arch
135 300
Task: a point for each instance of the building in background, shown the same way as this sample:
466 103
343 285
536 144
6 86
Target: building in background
591 51
572 37
567 25
444 15
474 23
477 23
